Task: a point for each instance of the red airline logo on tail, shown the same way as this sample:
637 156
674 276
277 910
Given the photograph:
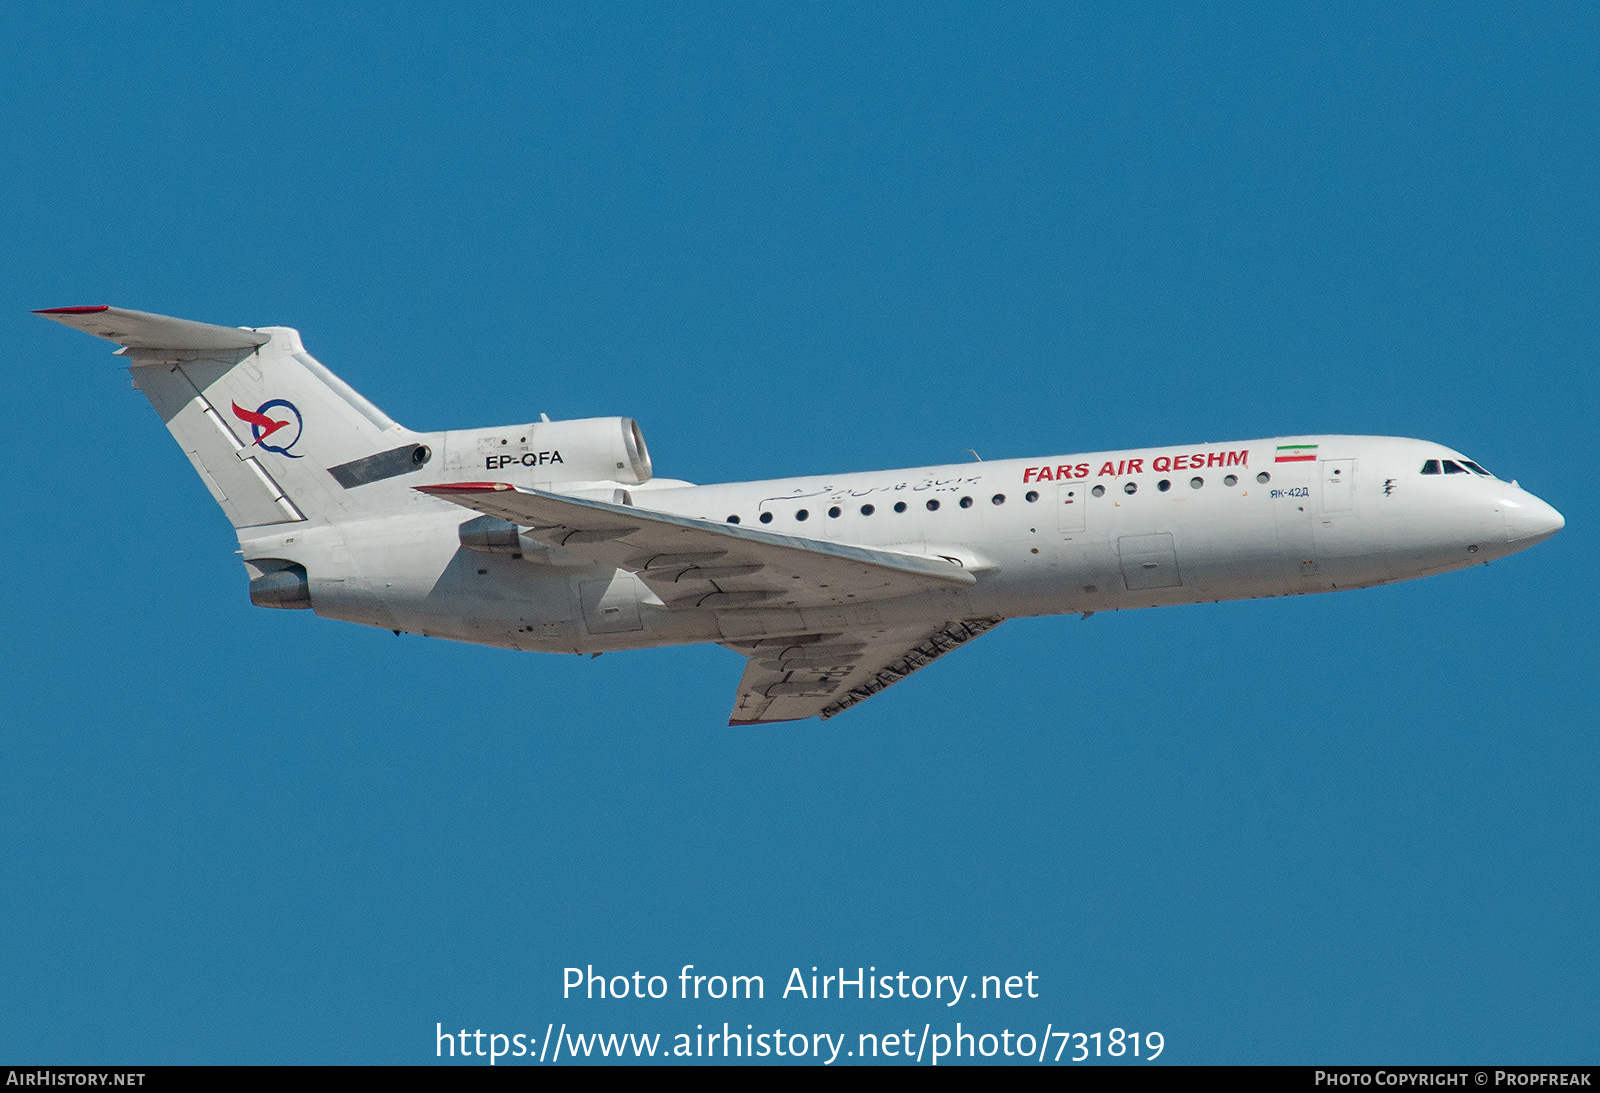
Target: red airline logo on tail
261 422
262 426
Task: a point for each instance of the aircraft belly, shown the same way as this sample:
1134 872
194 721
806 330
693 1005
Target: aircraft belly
518 605
1225 559
1182 554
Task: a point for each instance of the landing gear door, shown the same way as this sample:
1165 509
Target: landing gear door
1338 487
1071 504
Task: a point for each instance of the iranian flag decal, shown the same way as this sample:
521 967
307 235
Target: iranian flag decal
1296 453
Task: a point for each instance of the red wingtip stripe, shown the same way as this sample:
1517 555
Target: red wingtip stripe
465 487
72 310
767 721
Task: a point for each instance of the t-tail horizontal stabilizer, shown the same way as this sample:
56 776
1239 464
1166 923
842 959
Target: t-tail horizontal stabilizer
142 330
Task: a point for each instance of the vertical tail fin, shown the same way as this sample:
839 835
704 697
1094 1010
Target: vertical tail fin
274 435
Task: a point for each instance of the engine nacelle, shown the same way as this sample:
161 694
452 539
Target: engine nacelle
279 583
596 449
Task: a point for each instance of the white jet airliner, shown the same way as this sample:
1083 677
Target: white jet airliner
833 587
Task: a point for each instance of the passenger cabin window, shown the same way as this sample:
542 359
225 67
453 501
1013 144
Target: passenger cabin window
1431 467
1452 467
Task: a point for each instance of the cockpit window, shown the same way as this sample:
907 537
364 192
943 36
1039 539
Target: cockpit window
1431 467
1476 469
1452 467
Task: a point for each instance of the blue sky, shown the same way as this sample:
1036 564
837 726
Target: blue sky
790 239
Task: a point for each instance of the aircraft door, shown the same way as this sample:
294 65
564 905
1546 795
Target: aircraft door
611 607
1292 516
1071 507
1148 561
1338 486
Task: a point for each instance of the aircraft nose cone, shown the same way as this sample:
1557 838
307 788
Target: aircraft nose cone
1530 520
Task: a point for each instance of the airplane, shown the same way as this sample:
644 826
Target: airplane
556 536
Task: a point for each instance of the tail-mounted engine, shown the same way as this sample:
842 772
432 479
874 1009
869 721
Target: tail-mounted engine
596 449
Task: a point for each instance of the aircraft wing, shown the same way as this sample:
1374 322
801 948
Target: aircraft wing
786 679
693 563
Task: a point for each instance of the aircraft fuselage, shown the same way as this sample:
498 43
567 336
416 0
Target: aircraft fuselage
1093 532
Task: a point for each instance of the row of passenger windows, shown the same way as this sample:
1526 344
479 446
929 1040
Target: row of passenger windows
1450 466
933 504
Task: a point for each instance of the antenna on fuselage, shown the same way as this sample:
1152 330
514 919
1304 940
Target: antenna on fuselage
975 455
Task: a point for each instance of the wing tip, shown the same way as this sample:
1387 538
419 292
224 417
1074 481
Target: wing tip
736 723
91 309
